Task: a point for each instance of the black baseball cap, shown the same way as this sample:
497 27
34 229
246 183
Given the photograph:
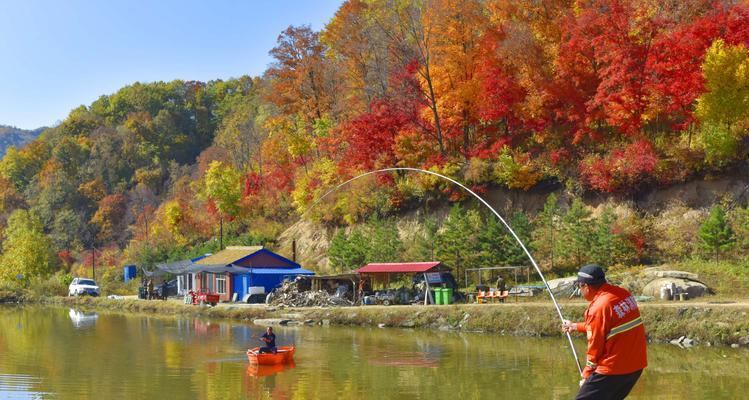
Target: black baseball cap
591 274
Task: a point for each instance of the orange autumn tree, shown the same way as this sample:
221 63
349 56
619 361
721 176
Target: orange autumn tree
461 23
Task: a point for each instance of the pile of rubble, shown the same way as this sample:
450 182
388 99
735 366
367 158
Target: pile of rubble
288 295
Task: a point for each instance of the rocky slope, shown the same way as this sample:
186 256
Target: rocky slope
695 196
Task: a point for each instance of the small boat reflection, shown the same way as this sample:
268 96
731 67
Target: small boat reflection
82 320
268 370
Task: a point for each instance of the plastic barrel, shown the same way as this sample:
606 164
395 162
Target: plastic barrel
447 295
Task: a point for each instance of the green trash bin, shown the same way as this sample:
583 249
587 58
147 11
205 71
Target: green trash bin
443 296
447 295
437 294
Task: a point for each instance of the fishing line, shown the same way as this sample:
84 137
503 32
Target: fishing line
527 253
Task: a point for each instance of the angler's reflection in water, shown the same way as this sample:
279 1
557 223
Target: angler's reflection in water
82 320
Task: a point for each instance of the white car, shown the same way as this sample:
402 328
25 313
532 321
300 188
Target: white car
83 286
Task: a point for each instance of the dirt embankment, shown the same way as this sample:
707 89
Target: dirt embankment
705 323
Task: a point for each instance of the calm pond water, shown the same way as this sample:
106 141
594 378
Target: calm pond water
66 354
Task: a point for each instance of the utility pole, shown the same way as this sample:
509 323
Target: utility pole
93 262
457 261
221 233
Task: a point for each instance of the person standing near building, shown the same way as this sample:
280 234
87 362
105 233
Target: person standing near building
617 347
149 289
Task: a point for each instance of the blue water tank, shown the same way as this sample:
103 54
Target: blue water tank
130 272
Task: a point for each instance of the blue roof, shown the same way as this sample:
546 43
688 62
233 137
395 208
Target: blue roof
280 271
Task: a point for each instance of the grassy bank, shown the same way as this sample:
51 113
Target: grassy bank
716 324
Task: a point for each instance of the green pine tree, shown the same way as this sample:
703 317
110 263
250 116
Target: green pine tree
576 233
384 244
346 252
458 240
741 228
425 242
715 233
492 243
607 247
546 232
523 228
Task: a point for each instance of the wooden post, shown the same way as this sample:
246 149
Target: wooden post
293 250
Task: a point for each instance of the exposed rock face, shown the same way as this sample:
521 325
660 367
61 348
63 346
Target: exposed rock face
312 242
651 281
562 286
655 273
679 208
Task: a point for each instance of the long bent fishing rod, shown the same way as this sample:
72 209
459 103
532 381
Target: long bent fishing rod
527 253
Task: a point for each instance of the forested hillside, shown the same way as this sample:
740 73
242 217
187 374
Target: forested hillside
12 136
602 96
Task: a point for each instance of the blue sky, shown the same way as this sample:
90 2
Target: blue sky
57 55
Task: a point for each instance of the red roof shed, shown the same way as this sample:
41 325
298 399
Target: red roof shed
411 267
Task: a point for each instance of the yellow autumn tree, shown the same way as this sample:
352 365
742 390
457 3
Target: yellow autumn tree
726 70
724 108
27 251
222 185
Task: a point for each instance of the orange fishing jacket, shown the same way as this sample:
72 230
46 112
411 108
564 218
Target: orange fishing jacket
616 336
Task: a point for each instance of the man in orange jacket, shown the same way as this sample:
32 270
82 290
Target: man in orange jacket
617 348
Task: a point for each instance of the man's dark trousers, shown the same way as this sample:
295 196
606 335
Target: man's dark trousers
607 387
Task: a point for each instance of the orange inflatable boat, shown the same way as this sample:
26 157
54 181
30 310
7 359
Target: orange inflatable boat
284 355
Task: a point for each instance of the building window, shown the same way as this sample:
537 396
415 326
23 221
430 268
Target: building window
221 284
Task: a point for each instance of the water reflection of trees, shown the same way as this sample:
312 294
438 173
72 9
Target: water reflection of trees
144 357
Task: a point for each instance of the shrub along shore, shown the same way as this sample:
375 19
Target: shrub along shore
704 323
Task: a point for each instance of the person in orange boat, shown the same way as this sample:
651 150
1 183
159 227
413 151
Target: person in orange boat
617 347
269 338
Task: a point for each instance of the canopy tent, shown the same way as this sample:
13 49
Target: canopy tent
382 272
400 268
